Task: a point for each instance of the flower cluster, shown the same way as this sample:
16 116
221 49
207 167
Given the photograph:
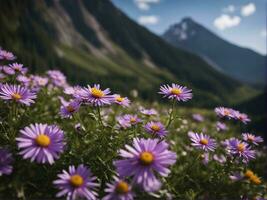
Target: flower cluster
230 113
88 148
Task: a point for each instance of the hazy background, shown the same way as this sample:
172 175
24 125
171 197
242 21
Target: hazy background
239 21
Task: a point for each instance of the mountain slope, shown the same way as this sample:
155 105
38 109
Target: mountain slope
93 41
241 63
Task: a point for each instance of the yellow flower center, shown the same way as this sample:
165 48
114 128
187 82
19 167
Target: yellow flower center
122 187
97 93
76 180
249 173
43 140
241 147
204 141
119 99
176 91
226 112
133 120
146 158
251 138
16 96
155 127
70 109
255 179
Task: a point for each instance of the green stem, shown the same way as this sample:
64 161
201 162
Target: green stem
99 116
170 115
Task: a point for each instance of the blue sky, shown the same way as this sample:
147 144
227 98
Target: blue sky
239 21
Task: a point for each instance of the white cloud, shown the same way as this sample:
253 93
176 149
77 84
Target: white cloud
229 9
248 9
148 20
225 21
145 4
263 33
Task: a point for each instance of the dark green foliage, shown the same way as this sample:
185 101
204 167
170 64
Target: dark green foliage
33 38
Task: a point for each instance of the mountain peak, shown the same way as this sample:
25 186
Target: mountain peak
242 64
183 30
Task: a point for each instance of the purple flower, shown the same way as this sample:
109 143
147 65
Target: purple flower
5 162
205 158
24 80
8 70
69 108
156 128
242 117
57 78
252 138
77 183
123 101
38 82
17 93
128 120
202 141
119 190
5 55
41 143
16 67
95 96
225 112
219 158
143 159
149 112
236 176
73 91
240 149
198 117
220 126
180 93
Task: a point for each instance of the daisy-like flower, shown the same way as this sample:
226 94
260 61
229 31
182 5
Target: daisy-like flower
202 141
6 160
8 70
132 119
240 149
156 128
143 159
73 91
175 91
122 122
119 190
242 117
69 108
149 112
77 183
17 93
24 80
225 112
220 126
123 101
41 143
128 120
198 117
95 96
37 82
6 55
16 67
57 78
252 138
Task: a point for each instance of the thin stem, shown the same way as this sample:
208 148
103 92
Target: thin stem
99 116
170 115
